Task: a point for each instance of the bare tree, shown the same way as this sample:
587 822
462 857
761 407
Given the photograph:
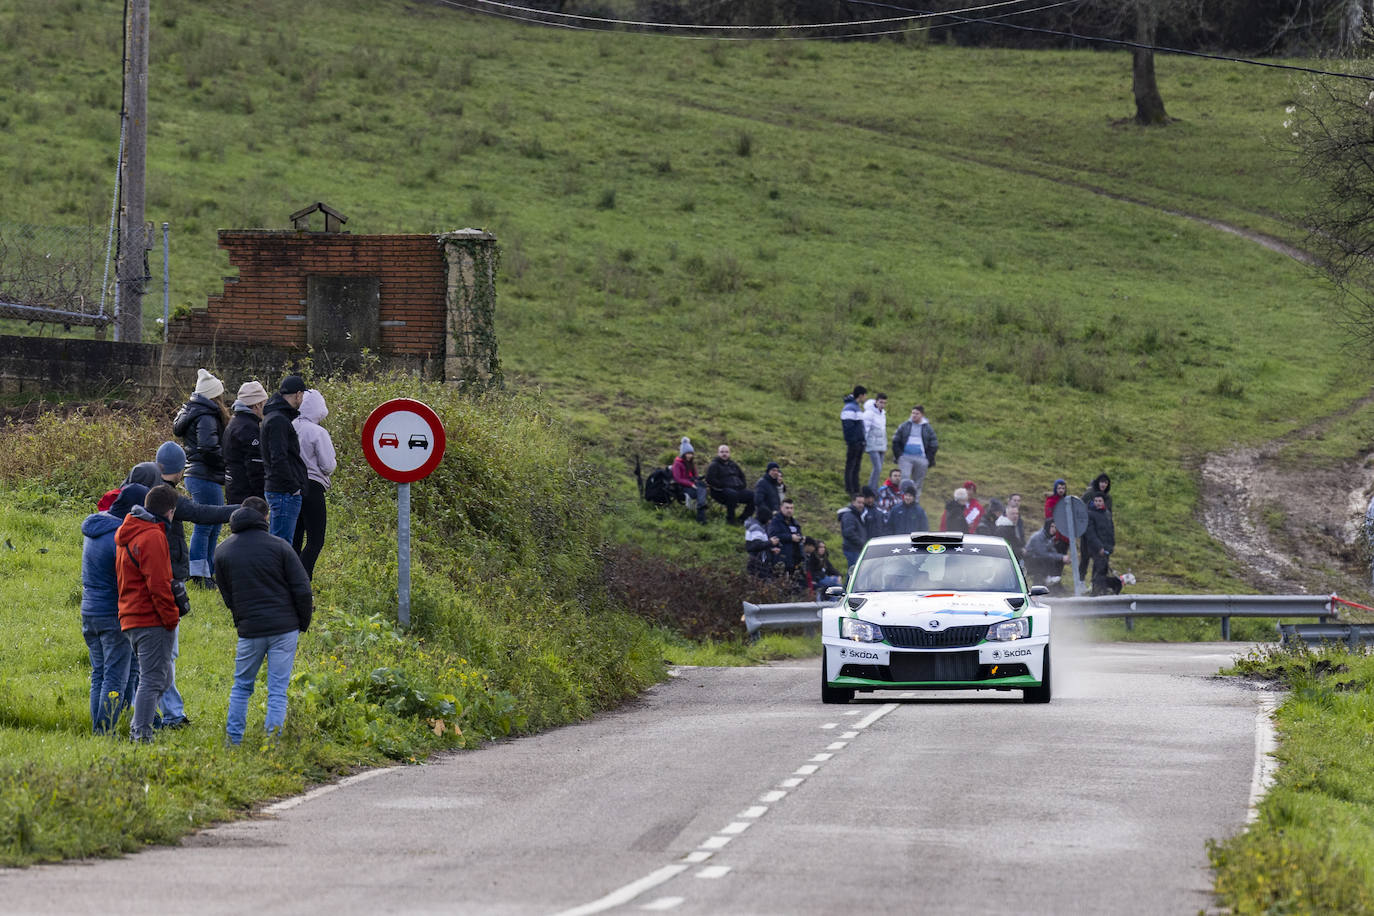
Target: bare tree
1149 104
1330 136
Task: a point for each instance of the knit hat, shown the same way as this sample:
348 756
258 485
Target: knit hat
251 393
686 447
207 385
960 493
132 494
771 465
171 458
970 485
867 492
908 486
292 384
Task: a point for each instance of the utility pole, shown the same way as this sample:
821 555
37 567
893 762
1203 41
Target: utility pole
132 177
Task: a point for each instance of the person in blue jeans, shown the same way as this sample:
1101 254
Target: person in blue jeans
265 587
284 472
200 424
113 672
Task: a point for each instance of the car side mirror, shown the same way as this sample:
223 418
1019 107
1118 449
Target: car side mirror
835 592
1039 590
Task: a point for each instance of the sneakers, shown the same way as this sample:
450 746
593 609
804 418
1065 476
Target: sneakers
172 724
206 582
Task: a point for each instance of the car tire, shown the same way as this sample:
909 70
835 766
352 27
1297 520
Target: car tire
1040 694
833 694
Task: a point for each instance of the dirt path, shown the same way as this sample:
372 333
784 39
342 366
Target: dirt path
1291 528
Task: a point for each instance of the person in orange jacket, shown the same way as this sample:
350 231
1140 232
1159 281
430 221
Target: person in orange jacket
148 612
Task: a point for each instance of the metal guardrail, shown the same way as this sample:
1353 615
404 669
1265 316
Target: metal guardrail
1353 635
806 614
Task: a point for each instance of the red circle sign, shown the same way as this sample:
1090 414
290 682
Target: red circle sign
403 440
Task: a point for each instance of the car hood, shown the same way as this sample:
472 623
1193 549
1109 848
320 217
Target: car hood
937 610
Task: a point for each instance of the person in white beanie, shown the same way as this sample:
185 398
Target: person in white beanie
243 471
317 449
200 426
685 474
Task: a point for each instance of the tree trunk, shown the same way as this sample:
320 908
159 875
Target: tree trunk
1149 104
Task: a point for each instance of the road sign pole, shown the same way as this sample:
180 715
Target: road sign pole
403 554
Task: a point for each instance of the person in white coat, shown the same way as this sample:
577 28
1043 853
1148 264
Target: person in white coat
317 450
875 437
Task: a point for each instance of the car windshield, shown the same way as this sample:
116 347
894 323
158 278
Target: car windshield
966 568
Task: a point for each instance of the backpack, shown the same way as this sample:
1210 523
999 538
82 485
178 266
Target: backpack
658 488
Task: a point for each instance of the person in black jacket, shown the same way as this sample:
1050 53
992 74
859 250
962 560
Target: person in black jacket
284 474
852 426
265 587
769 492
1098 542
243 445
726 484
200 426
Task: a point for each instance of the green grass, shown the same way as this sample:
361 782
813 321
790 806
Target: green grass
1309 850
512 629
940 223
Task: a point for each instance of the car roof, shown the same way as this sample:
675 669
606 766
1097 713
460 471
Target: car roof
907 538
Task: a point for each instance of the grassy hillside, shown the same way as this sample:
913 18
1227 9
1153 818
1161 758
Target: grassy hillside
717 240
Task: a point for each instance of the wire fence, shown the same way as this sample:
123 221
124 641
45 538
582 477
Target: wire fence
54 274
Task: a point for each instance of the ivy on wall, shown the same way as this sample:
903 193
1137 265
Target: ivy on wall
470 328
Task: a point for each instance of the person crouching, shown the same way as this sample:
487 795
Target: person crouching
265 587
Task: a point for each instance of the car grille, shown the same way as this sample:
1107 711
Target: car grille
934 666
917 638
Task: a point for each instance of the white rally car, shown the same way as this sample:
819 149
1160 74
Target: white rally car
936 611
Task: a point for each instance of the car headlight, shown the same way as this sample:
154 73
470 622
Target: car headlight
1017 628
860 630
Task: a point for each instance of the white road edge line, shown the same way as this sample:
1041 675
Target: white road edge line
1266 743
290 803
663 903
875 715
627 893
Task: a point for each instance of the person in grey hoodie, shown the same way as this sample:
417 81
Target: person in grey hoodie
875 437
317 450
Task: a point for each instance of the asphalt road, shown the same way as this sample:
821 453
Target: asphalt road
735 791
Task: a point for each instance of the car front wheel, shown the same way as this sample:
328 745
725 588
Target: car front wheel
833 694
1040 694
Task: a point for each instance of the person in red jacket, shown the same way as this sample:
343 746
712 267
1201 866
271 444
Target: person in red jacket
148 613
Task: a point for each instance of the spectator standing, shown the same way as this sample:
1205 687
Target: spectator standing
956 510
852 426
726 484
853 529
875 437
113 673
875 519
284 473
685 473
785 527
317 451
769 492
243 445
890 493
200 426
1057 492
914 446
1014 502
168 468
148 612
1098 542
1006 530
266 588
974 511
907 516
1045 555
1101 486
987 522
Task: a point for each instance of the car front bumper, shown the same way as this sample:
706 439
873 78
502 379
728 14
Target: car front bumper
875 666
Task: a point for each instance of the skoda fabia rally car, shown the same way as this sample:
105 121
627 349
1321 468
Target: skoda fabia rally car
929 611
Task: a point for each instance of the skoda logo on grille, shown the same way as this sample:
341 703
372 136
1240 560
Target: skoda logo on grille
934 624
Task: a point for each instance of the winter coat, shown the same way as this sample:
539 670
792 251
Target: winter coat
686 477
1092 491
99 584
781 528
929 441
242 455
200 426
1053 499
725 474
854 532
904 519
852 421
818 566
953 518
1005 529
143 569
283 468
188 510
1100 534
875 427
263 582
768 495
1043 548
317 448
